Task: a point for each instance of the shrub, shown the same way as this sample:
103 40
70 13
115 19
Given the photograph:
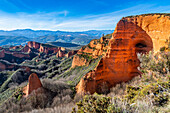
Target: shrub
94 104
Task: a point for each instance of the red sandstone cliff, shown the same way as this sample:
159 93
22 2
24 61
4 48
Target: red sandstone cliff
34 84
60 54
156 26
94 49
132 35
26 49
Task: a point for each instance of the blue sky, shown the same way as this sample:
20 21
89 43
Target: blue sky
73 15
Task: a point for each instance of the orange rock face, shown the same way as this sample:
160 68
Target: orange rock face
94 49
120 62
78 61
156 26
34 84
60 54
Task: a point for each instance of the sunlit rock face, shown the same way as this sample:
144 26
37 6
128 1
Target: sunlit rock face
156 26
33 44
34 84
120 62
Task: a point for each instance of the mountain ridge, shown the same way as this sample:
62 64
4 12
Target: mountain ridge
43 36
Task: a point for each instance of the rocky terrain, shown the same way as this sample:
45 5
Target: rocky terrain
12 56
131 65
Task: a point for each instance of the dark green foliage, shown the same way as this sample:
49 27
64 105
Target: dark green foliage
47 45
155 81
162 48
88 57
74 75
158 93
108 36
4 96
93 104
15 78
159 62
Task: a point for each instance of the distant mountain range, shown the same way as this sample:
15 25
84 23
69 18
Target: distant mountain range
22 36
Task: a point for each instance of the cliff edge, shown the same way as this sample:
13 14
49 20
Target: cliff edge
135 34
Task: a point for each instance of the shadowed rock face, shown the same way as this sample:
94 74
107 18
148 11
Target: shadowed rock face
34 84
120 63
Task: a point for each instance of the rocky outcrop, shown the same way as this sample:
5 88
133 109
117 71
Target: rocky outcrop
26 49
156 26
48 50
132 35
79 61
34 84
60 54
71 53
33 44
63 53
95 48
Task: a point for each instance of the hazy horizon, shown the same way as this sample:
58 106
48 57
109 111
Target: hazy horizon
57 30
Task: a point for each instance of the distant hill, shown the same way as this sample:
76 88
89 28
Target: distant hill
22 36
13 40
36 33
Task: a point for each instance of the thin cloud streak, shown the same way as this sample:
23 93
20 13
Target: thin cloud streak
61 20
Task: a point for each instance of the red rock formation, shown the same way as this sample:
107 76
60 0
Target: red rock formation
34 84
26 49
60 54
120 63
78 61
71 53
94 49
62 48
33 44
48 50
156 26
2 53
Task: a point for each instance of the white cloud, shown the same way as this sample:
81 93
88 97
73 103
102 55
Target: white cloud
60 21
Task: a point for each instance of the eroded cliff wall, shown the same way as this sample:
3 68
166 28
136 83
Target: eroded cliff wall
156 26
137 34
